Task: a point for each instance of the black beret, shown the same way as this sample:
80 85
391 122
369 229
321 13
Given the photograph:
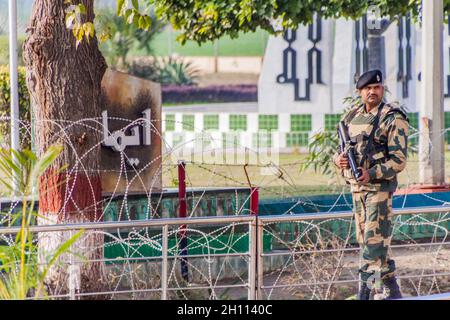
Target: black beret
369 77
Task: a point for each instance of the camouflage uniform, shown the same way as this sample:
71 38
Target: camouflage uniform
372 202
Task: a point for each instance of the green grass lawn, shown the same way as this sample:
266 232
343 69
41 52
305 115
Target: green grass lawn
291 183
4 49
247 44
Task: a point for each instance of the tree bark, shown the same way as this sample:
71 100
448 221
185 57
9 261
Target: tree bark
65 85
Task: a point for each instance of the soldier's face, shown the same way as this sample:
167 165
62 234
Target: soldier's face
372 94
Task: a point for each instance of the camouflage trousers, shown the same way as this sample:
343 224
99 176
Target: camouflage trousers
373 220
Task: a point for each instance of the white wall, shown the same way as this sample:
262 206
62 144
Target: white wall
337 46
274 97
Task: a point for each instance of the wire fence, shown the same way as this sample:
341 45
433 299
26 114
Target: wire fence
141 259
315 257
219 252
242 257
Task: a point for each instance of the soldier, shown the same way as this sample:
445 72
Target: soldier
379 131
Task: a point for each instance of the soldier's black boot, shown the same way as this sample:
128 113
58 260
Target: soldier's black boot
391 289
364 291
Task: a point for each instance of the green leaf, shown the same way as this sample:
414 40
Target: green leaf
204 29
46 160
181 38
136 20
61 249
89 30
79 33
6 184
135 4
70 18
120 4
148 21
129 15
82 8
104 36
142 23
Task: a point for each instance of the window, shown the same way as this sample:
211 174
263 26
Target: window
268 122
231 140
297 139
414 119
170 122
301 122
211 122
203 141
331 121
413 138
262 140
238 122
188 122
447 126
178 139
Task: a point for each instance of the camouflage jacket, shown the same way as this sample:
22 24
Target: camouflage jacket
390 141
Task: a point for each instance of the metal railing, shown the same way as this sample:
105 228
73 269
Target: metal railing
255 254
441 296
266 220
164 224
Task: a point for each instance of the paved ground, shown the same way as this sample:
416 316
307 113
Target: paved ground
413 267
227 78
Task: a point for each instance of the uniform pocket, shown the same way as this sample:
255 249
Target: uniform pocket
385 216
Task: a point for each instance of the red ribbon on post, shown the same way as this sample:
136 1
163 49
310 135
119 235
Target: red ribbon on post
183 214
254 200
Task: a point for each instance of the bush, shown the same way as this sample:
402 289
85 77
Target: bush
24 104
148 71
167 71
22 277
4 50
176 71
124 37
191 94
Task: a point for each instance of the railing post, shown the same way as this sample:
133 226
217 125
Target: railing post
254 241
254 200
74 279
252 263
164 264
183 214
14 85
260 261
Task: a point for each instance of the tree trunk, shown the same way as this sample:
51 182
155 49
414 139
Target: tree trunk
65 85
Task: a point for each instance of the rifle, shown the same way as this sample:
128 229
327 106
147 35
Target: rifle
348 147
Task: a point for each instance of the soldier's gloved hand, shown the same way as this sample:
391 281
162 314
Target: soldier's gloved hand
364 179
342 161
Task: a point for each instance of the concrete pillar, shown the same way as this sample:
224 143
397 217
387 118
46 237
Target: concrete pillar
198 121
178 122
284 122
318 122
224 122
431 141
252 122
